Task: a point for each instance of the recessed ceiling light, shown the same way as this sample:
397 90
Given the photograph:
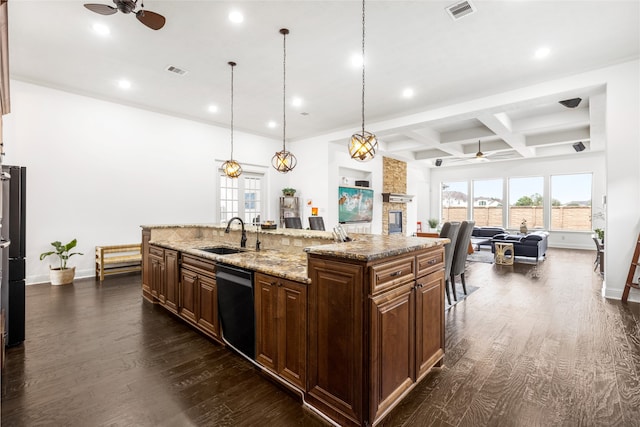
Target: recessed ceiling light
542 52
356 60
407 93
272 124
236 17
124 84
213 108
296 101
101 29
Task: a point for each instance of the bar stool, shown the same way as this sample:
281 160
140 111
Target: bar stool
419 227
504 253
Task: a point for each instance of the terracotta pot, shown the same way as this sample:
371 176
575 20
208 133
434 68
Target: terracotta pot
62 277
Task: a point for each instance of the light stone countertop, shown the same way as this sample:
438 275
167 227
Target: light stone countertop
292 264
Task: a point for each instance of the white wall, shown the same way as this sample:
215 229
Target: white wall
584 162
96 170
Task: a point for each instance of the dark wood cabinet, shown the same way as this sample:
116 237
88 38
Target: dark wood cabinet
375 329
199 295
156 279
429 291
281 327
207 313
335 370
187 292
171 279
163 277
146 265
393 344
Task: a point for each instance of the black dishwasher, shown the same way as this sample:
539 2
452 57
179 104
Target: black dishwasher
236 309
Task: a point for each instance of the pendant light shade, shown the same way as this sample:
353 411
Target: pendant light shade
231 168
363 145
284 161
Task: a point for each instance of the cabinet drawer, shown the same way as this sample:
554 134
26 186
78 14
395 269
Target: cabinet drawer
199 265
430 262
392 273
155 250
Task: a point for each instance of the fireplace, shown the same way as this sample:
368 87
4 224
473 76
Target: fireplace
395 222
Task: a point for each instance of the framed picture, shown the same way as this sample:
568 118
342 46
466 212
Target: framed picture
355 204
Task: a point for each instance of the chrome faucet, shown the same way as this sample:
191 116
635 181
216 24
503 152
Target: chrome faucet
243 240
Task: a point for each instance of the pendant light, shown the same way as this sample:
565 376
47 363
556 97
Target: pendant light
284 161
231 168
363 146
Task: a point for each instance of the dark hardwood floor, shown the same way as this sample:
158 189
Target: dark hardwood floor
533 346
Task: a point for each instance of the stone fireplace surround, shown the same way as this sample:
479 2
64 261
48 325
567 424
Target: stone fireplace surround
394 180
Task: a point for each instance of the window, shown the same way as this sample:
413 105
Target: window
487 202
246 188
454 201
526 202
571 202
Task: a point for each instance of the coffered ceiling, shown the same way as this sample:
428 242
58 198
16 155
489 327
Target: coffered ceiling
409 45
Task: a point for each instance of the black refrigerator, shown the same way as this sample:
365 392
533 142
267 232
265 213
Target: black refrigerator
12 248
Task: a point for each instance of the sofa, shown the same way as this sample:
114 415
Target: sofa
532 245
481 236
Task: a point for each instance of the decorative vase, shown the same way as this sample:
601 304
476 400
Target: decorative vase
62 277
523 227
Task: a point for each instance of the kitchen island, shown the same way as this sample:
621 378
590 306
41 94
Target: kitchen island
351 326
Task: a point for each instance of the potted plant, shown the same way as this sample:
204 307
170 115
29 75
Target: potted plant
62 275
433 223
600 233
288 192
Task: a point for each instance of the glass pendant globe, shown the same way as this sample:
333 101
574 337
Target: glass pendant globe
363 146
232 169
284 161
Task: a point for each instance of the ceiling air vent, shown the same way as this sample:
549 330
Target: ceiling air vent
176 70
460 9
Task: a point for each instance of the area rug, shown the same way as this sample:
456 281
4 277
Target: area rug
488 258
460 295
481 256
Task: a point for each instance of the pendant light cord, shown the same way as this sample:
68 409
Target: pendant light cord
284 87
363 67
232 65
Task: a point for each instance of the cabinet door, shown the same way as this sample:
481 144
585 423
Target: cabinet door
188 292
207 313
335 363
265 309
157 277
171 280
392 351
429 321
292 331
146 264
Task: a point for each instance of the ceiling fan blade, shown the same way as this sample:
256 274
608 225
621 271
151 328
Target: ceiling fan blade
150 19
102 9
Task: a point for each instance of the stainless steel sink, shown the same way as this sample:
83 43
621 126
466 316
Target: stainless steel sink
221 250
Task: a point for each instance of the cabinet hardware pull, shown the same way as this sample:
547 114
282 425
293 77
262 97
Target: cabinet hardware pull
432 261
396 273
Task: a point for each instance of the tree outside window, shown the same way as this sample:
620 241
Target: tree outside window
526 202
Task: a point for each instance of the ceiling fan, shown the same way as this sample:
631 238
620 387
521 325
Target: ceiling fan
477 158
152 20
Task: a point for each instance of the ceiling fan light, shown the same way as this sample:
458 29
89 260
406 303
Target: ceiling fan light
284 161
363 146
232 169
